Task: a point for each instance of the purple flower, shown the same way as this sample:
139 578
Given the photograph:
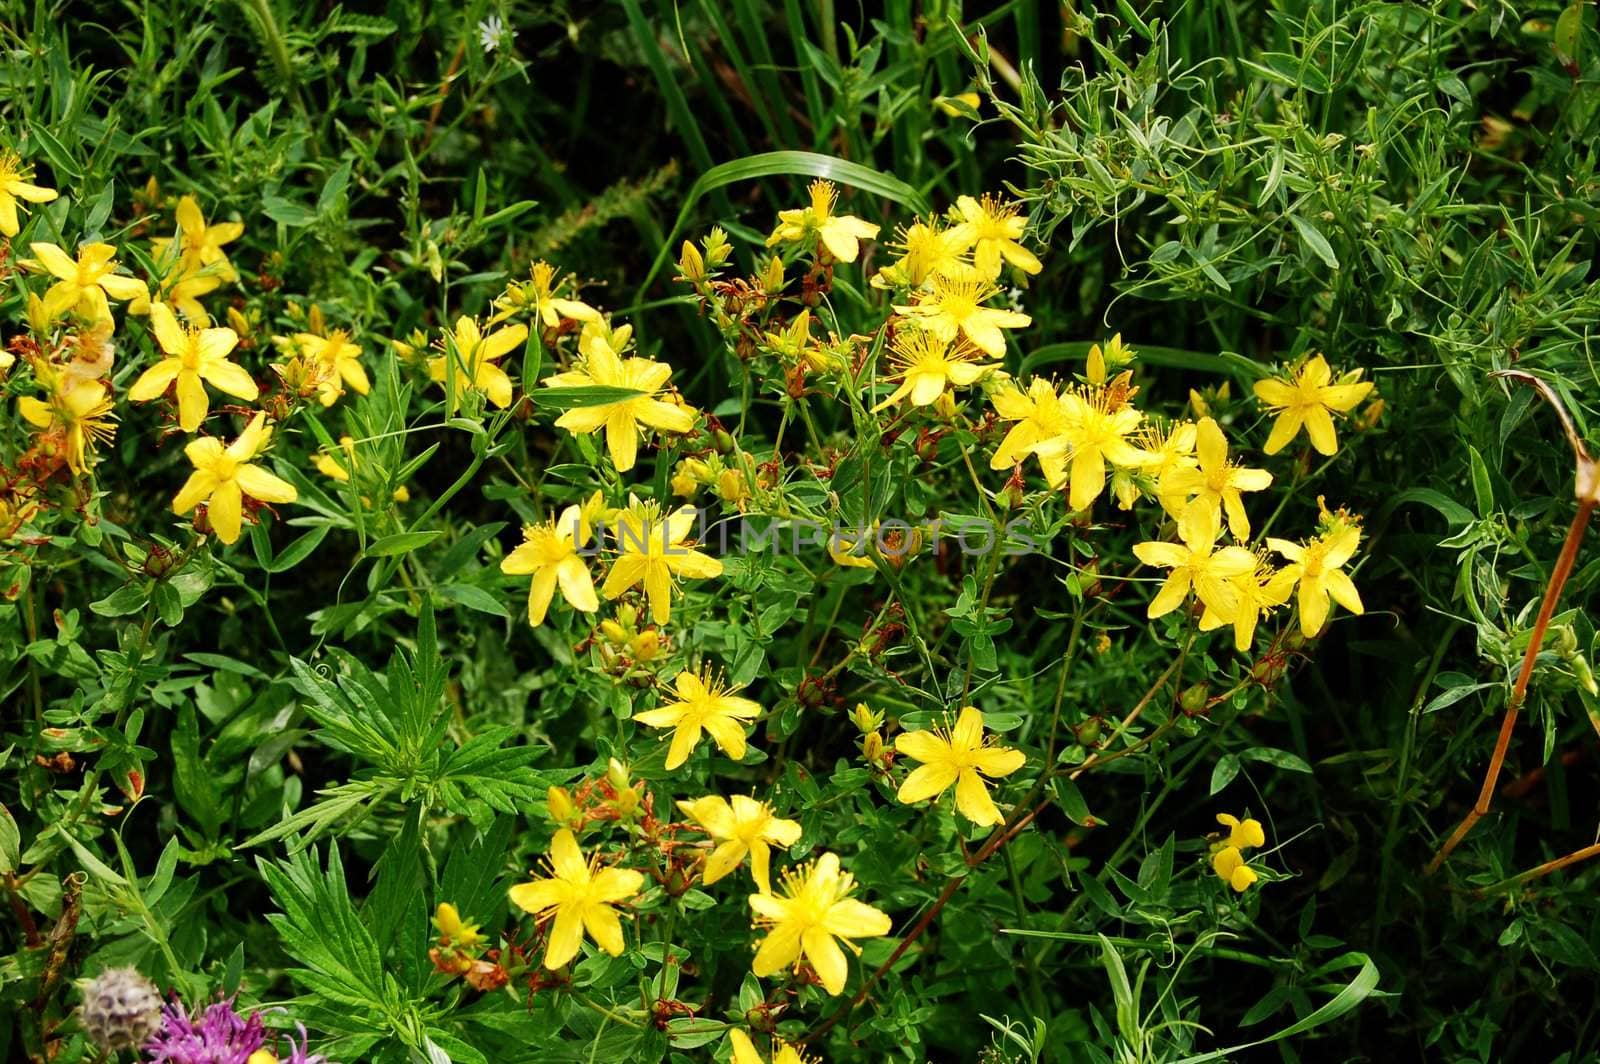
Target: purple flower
218 1036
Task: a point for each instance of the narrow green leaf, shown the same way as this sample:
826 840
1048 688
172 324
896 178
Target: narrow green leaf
400 543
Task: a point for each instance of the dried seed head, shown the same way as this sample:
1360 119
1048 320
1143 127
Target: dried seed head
121 1009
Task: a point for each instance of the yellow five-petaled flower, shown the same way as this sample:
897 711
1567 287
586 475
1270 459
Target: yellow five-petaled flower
1214 483
339 361
811 910
622 418
550 552
959 756
85 284
224 475
583 896
704 703
16 183
467 363
200 245
1309 397
993 228
80 409
952 306
840 234
927 365
1317 566
653 553
745 826
193 355
1196 564
1097 422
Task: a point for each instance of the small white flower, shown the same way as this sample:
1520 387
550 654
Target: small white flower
492 33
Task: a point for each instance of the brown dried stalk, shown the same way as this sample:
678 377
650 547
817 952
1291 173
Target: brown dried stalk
1588 491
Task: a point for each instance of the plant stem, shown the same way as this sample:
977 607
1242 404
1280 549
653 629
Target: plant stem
1519 691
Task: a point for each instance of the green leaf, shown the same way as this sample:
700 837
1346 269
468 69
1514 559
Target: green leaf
400 543
1121 990
1316 241
1226 769
1352 994
129 598
299 550
10 842
1276 758
572 398
287 212
474 598
1482 487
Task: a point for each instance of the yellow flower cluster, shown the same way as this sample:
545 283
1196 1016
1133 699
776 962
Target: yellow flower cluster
1228 855
72 358
1085 435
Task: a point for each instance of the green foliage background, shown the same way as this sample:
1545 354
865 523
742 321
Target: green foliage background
1409 188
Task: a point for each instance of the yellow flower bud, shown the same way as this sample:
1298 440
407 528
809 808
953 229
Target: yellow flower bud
772 276
560 803
646 645
691 264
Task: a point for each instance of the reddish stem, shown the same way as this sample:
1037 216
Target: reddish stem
1519 691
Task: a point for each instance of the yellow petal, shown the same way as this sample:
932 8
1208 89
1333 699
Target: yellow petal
826 958
566 858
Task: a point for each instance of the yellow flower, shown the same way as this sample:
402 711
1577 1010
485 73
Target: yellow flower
1228 860
926 251
812 909
85 285
339 360
583 896
80 410
1195 564
449 924
1215 483
992 227
1169 449
839 234
967 100
183 294
703 703
602 367
15 184
652 554
957 756
1038 414
550 553
927 364
1317 566
199 244
956 306
1098 422
849 551
538 296
469 358
744 1051
688 477
1260 590
222 476
193 355
745 826
1309 398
